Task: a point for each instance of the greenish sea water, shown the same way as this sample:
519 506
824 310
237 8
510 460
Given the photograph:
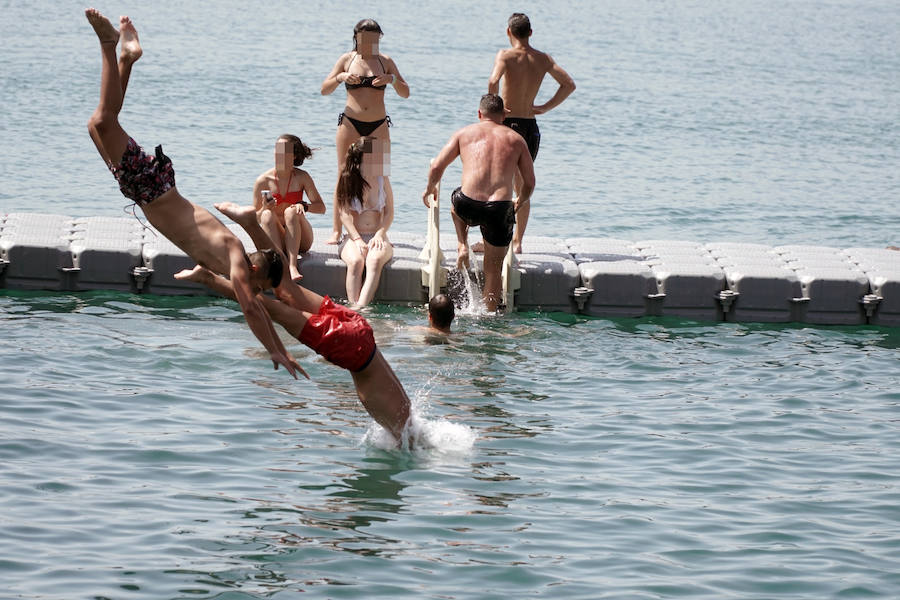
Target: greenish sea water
147 451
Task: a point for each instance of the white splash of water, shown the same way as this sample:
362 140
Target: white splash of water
426 437
468 298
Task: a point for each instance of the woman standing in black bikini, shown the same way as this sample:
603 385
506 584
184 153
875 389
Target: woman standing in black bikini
365 73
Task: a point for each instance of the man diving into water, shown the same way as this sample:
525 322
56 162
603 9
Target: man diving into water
150 182
337 333
340 335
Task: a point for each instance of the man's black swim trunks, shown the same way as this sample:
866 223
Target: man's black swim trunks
496 219
528 129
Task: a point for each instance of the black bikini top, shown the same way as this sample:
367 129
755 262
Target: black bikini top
367 80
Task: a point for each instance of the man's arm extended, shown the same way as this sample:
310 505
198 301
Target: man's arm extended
446 156
526 172
258 319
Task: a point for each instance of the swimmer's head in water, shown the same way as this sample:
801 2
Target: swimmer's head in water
491 105
441 312
366 32
267 269
289 147
519 26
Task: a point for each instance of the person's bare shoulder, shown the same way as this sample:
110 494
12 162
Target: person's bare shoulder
345 58
265 176
510 135
468 131
505 54
541 59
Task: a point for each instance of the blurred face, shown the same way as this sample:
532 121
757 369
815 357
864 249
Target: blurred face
284 155
376 158
258 282
367 42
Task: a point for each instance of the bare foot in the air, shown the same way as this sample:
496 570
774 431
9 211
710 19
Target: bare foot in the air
102 27
131 45
239 214
197 274
462 257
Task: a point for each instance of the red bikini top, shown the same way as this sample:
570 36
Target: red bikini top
288 197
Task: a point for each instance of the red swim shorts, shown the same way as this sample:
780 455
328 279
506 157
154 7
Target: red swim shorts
340 335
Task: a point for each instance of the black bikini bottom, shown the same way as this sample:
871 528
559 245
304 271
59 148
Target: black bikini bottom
364 128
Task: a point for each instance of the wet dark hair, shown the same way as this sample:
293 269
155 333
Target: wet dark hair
351 183
366 25
270 265
519 25
301 150
491 104
442 311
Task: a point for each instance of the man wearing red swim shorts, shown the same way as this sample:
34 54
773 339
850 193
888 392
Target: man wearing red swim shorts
150 182
340 335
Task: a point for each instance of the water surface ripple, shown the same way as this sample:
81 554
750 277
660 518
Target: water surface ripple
147 452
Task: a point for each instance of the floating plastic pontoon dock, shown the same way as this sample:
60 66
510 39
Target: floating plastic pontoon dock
600 277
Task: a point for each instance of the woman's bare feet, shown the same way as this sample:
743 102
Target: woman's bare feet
131 45
102 27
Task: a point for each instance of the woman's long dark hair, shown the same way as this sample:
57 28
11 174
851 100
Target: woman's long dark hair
351 183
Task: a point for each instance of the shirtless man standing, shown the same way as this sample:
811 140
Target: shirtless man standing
522 69
338 334
150 182
491 155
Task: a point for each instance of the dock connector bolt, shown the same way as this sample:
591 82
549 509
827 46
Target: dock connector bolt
727 298
141 275
581 296
870 302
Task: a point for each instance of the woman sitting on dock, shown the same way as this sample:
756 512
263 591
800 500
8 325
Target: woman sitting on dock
366 204
278 199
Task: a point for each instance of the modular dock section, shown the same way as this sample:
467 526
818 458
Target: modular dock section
716 281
